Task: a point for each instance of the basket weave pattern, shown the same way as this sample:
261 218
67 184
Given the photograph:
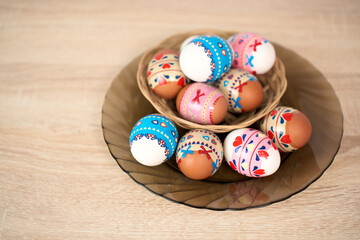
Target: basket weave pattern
274 85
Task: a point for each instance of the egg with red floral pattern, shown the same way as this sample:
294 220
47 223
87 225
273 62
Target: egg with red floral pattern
251 153
164 75
288 128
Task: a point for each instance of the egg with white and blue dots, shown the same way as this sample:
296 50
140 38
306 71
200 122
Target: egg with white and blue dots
153 140
242 90
206 58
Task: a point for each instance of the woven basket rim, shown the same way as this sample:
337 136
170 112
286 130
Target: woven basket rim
159 103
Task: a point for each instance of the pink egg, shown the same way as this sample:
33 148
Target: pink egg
251 153
201 103
252 53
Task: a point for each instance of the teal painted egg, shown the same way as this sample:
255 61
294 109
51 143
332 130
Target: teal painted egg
153 140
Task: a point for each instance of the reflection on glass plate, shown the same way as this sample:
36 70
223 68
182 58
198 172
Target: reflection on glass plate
308 91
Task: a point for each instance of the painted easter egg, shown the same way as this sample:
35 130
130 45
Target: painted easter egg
153 140
251 153
206 58
199 154
288 128
201 103
242 90
164 75
186 41
252 52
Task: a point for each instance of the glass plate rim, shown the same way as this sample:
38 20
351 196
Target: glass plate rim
226 209
230 209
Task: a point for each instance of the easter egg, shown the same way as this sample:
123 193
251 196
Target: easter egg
252 53
206 58
242 90
199 154
186 41
288 128
153 140
201 103
251 153
164 75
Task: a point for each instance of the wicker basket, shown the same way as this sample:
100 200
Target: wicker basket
274 85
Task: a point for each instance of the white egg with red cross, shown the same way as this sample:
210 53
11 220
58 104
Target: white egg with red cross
252 53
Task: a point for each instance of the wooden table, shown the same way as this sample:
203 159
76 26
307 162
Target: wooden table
57 177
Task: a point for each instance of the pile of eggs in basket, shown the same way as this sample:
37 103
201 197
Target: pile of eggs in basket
208 78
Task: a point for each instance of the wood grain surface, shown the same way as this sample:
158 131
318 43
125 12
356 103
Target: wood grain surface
57 177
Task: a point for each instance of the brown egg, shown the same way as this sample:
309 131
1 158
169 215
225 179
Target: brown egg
196 166
299 129
288 128
242 90
180 96
251 96
164 75
201 103
199 154
167 91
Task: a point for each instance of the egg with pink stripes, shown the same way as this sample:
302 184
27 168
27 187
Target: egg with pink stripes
201 103
251 153
252 53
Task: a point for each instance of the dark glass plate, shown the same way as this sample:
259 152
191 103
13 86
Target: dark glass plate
308 91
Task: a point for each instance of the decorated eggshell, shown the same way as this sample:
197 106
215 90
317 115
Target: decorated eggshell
199 154
201 103
251 153
288 128
153 140
252 53
186 41
164 75
206 58
242 90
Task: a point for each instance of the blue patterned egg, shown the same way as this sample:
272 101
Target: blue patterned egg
153 140
206 58
186 41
